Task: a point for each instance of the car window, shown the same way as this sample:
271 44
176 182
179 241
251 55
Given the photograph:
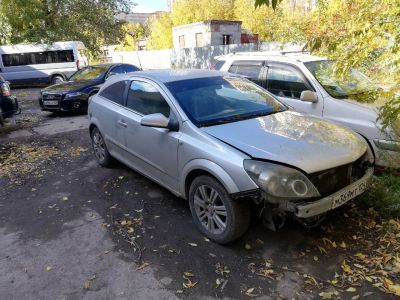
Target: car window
129 68
218 65
118 70
146 99
286 82
251 72
89 73
115 92
217 100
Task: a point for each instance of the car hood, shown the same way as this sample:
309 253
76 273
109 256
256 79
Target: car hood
70 86
308 143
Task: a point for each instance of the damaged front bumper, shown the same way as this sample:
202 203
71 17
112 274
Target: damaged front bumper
311 209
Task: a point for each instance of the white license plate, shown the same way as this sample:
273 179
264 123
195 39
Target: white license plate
349 194
50 102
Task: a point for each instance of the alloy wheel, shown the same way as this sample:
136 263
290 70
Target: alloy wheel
210 209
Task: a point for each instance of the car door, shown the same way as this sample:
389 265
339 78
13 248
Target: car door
253 70
109 110
152 151
287 83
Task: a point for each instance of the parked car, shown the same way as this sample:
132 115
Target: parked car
41 64
73 94
8 103
308 84
220 141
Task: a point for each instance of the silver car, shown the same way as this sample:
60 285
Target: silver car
224 143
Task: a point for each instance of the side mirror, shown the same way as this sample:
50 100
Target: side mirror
309 96
155 120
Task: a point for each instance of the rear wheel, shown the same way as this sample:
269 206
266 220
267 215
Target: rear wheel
215 213
100 149
57 79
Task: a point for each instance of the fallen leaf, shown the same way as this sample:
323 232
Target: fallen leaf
49 268
142 266
247 247
188 274
351 290
193 244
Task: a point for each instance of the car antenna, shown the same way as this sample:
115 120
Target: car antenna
140 63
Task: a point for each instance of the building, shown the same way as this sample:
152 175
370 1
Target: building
207 33
136 18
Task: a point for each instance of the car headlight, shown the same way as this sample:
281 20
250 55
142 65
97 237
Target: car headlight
280 181
73 95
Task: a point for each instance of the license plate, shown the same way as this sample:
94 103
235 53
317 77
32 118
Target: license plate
349 194
50 102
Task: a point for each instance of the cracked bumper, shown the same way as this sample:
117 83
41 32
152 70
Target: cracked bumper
335 200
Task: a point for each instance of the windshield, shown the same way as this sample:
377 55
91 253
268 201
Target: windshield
89 73
354 83
218 100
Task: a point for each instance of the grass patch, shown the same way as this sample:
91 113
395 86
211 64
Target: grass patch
384 195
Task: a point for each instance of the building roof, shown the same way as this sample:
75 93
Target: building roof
211 22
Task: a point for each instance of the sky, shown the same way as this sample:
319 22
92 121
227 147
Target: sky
150 5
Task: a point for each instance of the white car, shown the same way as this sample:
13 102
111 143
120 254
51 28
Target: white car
307 84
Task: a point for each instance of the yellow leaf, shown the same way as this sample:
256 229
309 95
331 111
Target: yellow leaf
188 274
144 265
343 245
49 268
247 247
351 290
346 268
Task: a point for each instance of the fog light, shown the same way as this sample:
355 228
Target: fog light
77 104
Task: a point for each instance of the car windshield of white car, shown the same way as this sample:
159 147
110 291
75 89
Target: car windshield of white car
89 73
217 100
351 84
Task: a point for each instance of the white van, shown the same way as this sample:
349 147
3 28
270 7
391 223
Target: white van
34 64
296 79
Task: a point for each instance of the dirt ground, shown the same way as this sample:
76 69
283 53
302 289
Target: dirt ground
70 229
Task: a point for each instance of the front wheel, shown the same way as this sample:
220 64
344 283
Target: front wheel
100 149
218 216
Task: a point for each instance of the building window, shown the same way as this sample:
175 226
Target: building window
199 40
226 39
181 41
105 52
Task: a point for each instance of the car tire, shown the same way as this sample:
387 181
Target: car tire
100 149
218 216
57 79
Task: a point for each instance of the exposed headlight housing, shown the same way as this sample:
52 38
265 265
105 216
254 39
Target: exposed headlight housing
280 181
73 95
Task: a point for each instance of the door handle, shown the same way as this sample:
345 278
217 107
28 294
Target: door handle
122 123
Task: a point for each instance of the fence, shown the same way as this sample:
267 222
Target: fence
192 58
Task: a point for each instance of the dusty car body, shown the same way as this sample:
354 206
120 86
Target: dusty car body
308 84
221 142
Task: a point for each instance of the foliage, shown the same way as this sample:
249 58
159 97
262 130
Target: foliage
133 32
45 21
161 32
384 195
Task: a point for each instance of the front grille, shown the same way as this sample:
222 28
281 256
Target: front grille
330 181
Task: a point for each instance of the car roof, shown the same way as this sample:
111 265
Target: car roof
272 56
170 75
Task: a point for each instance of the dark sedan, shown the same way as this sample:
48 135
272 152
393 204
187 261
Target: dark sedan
73 95
8 103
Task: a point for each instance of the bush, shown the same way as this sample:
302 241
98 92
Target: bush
384 195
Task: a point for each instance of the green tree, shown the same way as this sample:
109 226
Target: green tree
90 21
133 32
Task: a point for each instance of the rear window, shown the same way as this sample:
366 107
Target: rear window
115 92
218 65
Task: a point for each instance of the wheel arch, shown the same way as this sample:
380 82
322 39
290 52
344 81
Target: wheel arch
198 167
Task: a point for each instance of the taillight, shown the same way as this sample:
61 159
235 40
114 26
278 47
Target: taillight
5 90
77 64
